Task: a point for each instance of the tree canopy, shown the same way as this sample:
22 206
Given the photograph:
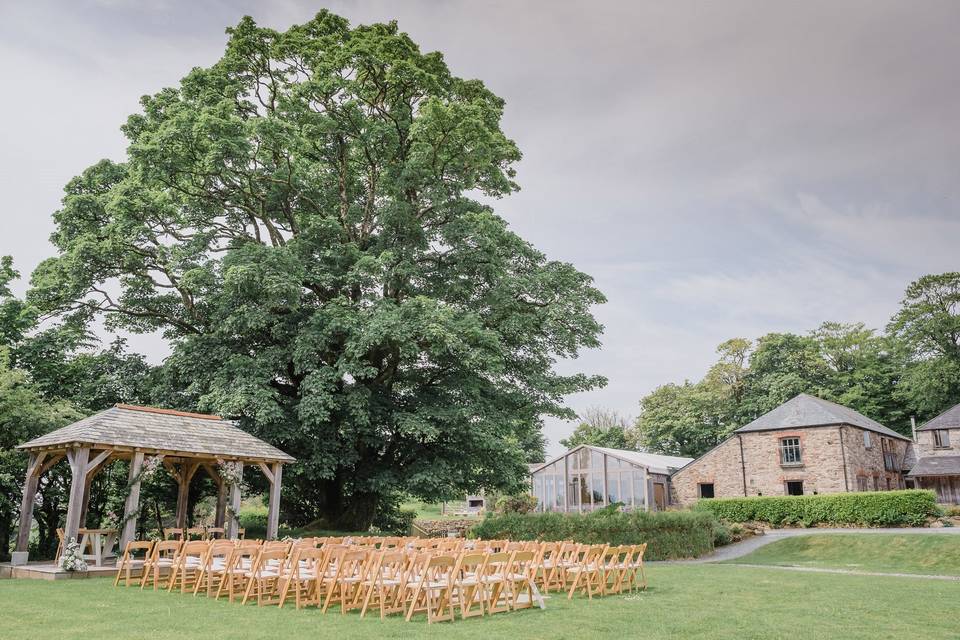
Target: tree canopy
308 222
601 428
913 369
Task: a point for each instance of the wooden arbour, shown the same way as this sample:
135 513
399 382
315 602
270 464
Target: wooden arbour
184 442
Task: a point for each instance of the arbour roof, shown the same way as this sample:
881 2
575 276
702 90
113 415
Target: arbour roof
161 430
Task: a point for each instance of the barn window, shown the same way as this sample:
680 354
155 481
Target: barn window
706 489
790 451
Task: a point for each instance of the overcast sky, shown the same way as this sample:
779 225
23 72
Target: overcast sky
721 168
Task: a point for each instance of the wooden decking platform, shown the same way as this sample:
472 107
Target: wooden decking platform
46 570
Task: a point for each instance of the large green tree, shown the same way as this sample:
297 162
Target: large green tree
308 222
928 328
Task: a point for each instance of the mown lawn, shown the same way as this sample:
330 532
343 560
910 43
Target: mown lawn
693 601
890 553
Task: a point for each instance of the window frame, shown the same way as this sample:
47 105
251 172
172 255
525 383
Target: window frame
786 487
941 439
795 449
713 489
867 442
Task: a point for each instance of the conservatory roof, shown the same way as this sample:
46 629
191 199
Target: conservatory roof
654 462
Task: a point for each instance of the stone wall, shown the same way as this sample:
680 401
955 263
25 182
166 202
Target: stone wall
719 466
865 466
925 446
821 471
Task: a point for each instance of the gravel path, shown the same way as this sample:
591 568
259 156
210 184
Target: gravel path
740 549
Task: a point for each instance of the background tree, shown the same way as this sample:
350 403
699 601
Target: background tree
302 221
601 428
928 328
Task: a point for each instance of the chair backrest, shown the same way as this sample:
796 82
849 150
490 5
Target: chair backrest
470 564
173 534
166 548
138 545
216 532
521 563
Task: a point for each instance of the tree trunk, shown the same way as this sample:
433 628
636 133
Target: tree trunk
355 512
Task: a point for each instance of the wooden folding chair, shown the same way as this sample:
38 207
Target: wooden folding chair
342 587
433 592
519 580
468 586
494 580
632 573
216 533
214 566
238 564
186 570
383 583
196 533
306 565
128 560
161 561
587 573
263 577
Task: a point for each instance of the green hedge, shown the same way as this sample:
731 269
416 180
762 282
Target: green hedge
669 534
869 508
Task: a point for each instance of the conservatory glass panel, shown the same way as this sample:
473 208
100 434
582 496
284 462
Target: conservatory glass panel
613 484
548 493
573 461
597 488
584 455
596 460
561 485
638 488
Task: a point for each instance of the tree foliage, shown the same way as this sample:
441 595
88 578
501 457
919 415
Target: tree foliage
601 428
845 363
307 222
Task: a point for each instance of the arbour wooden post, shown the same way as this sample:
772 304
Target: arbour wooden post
233 523
93 468
78 458
187 469
30 480
132 504
220 517
274 474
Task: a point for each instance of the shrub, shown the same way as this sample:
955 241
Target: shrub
254 520
876 508
669 534
394 520
519 503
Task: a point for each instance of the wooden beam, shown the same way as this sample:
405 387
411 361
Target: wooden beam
34 463
78 467
132 505
266 471
54 459
273 514
94 465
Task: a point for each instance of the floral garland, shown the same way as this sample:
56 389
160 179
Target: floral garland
72 559
232 474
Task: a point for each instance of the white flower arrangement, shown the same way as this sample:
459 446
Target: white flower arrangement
151 466
72 559
231 472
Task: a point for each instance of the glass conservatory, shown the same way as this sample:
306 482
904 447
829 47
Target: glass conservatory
587 478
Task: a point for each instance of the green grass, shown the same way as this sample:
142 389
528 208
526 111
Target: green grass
889 553
696 602
432 510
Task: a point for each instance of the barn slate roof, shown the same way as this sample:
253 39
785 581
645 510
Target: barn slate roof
936 466
949 419
805 410
166 430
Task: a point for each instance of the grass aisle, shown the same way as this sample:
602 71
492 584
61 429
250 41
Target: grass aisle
691 602
922 554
